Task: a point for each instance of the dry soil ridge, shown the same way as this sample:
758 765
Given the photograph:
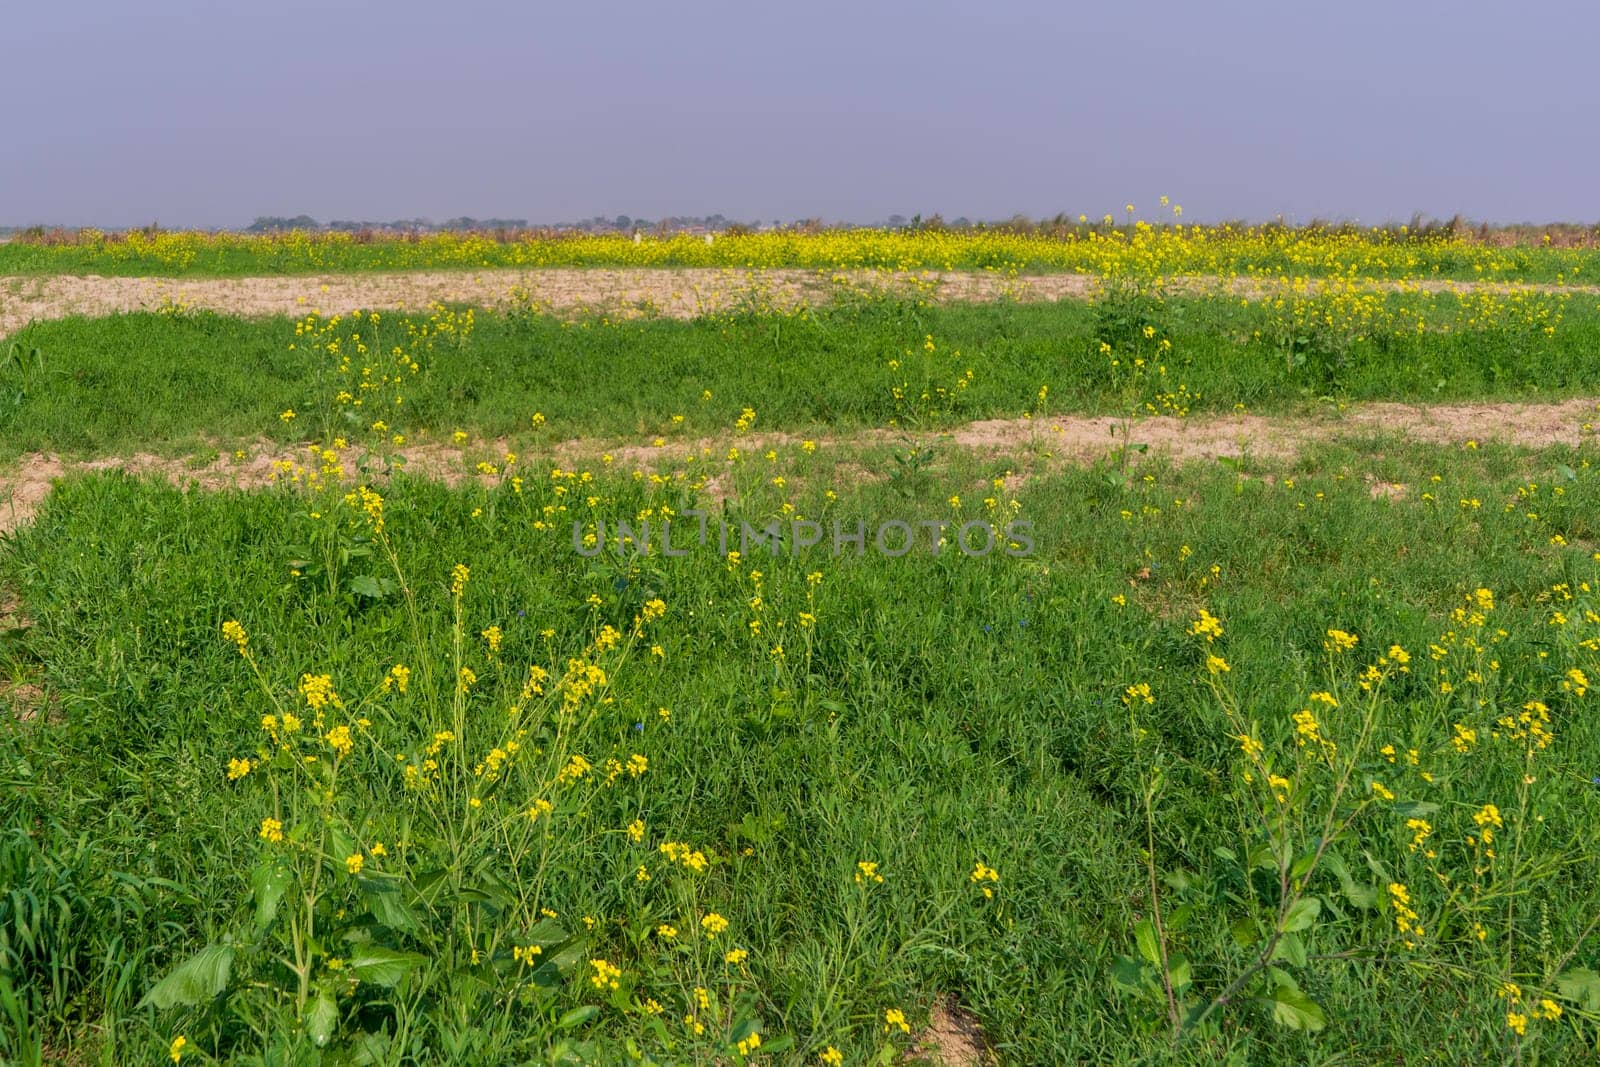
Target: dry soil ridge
673 292
1062 439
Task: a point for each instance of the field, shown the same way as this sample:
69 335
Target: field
1139 644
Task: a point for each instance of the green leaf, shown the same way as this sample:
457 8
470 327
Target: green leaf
546 932
577 1016
383 966
1290 949
322 1017
559 965
1359 896
197 979
390 909
367 1049
1128 973
371 586
1414 809
1292 1008
1581 986
268 882
1245 931
1177 881
1302 914
1144 935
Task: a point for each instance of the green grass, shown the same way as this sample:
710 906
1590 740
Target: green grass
945 711
187 381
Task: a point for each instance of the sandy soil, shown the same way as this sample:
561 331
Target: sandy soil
678 293
675 293
1065 439
952 1038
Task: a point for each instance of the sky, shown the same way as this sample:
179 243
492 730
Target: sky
207 114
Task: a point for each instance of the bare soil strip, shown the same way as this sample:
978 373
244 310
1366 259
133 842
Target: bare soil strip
676 293
1048 439
672 292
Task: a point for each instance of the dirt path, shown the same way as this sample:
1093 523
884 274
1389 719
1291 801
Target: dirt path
678 293
1064 439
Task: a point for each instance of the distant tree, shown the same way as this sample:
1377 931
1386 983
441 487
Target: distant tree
271 223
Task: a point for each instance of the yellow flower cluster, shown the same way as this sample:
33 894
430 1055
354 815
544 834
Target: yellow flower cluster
867 873
1406 920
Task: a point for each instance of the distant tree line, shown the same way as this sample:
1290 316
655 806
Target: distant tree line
279 223
598 224
1419 228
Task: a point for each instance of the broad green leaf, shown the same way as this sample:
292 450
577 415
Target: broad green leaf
1292 1008
195 980
545 932
558 966
1127 972
1177 881
365 585
1290 949
1144 935
368 1048
1302 914
382 966
1359 896
268 882
1581 986
390 909
577 1016
1415 809
322 1017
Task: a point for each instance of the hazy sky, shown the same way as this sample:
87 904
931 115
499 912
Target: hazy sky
209 113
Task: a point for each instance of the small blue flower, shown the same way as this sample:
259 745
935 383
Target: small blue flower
988 629
1024 623
639 726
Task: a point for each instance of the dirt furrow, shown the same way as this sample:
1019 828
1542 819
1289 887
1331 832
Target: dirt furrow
1049 439
676 293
